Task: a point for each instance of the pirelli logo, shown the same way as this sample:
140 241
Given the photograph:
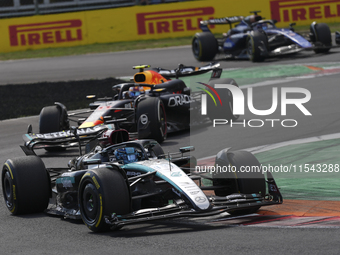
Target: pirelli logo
46 33
296 10
172 20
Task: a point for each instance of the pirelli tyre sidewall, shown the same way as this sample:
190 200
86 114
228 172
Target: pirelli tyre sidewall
255 40
101 193
25 185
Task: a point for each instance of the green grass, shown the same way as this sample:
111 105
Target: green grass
333 27
96 48
118 46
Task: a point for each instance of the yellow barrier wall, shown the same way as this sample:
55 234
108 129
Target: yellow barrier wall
152 21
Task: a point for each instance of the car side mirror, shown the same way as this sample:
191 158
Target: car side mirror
186 149
91 97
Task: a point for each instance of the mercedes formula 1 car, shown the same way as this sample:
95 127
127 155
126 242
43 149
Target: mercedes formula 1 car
154 104
135 182
255 38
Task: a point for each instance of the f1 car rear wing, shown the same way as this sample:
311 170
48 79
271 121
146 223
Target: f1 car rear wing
220 21
182 70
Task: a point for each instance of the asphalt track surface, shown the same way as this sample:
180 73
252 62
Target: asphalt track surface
104 65
41 234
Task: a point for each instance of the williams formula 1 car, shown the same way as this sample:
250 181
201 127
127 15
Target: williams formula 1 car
154 104
135 182
256 39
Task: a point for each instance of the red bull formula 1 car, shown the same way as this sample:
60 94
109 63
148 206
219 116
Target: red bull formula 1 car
255 38
156 103
134 182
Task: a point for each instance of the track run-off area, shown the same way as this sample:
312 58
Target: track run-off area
306 170
308 219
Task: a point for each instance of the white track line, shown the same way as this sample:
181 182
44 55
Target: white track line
268 147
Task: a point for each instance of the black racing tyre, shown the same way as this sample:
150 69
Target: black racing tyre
248 182
204 46
321 34
156 150
101 192
226 180
255 40
53 119
25 185
237 181
218 111
151 119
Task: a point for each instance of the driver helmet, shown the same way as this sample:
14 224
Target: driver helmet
127 155
253 18
126 95
135 91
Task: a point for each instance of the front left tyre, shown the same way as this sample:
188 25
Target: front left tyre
239 181
25 185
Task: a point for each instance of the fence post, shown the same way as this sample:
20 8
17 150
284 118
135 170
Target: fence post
36 5
16 4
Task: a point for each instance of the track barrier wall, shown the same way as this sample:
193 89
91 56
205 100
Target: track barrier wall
151 22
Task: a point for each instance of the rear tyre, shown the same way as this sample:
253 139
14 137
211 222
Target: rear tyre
321 34
102 192
25 185
218 111
151 119
204 46
53 119
255 41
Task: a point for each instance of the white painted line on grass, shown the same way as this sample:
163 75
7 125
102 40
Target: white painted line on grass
268 147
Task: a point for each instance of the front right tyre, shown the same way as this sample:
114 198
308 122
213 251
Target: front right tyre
320 34
102 192
255 41
204 46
